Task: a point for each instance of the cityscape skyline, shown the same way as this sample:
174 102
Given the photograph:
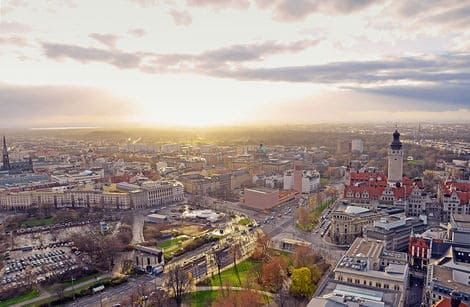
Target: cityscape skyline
232 62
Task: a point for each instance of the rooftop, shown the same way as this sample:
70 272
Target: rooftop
367 247
337 293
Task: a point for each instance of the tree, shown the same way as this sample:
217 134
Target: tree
178 281
303 217
316 273
274 274
304 256
302 284
236 252
331 192
217 254
262 251
320 197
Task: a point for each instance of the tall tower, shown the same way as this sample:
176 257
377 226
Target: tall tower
6 160
395 159
298 167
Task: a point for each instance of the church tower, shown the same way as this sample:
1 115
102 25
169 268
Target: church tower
395 159
6 160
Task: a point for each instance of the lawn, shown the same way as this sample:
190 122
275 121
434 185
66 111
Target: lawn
200 298
244 221
38 222
173 245
170 243
81 279
236 277
415 162
70 292
21 298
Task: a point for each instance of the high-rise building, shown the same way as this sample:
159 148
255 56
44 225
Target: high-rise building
6 159
395 159
357 145
298 168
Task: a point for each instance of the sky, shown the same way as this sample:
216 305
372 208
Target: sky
232 62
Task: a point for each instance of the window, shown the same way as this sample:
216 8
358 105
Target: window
137 260
148 260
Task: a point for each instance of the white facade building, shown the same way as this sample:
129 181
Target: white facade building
357 145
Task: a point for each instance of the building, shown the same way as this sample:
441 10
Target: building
419 251
459 229
309 180
157 218
447 275
239 179
455 300
419 202
264 198
368 263
372 187
163 192
14 167
394 230
357 145
148 259
298 170
287 242
348 222
342 294
454 198
395 159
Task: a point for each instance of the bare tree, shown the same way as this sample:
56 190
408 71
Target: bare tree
178 281
236 252
218 262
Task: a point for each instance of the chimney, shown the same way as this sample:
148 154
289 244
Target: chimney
455 299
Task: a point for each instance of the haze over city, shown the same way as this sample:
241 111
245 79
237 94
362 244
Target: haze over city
232 62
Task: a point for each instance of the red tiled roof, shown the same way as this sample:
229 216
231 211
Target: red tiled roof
445 302
400 192
464 197
366 176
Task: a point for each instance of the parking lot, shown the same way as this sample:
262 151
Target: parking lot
36 264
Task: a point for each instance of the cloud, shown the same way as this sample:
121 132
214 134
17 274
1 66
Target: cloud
83 54
446 13
109 40
254 52
36 105
146 3
181 18
220 4
137 32
289 10
174 62
14 27
443 78
452 94
14 40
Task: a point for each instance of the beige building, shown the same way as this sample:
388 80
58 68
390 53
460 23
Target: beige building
287 242
367 263
348 222
239 179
